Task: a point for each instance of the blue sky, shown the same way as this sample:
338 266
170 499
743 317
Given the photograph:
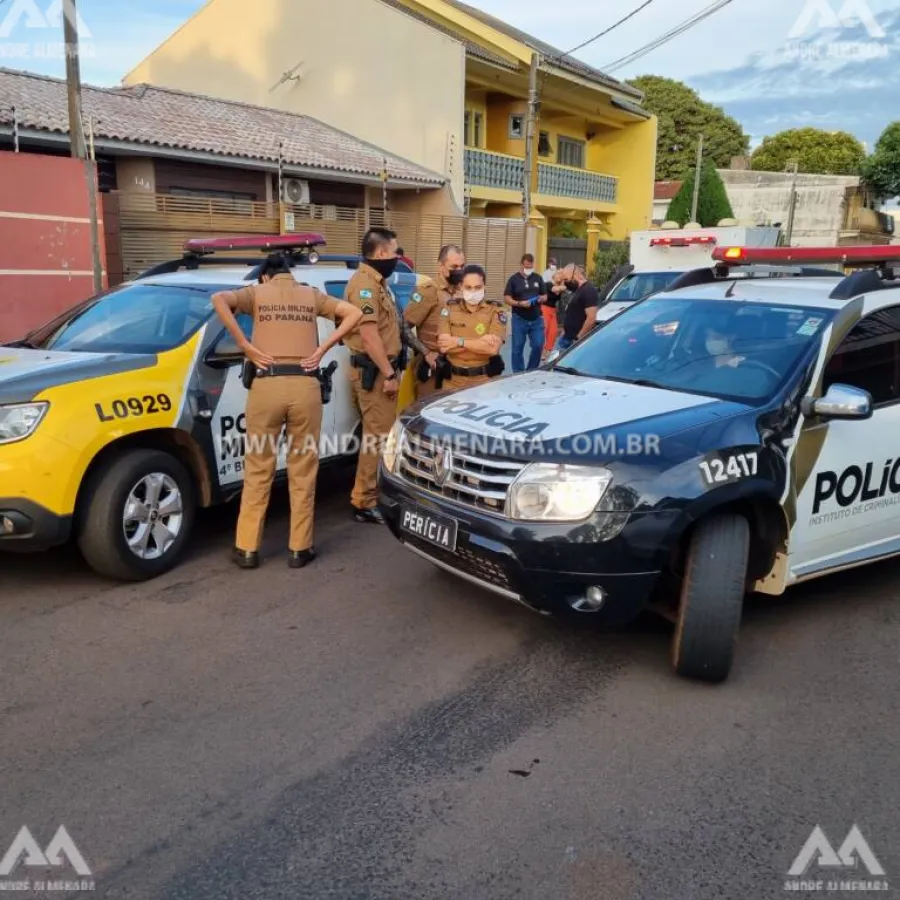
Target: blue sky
742 57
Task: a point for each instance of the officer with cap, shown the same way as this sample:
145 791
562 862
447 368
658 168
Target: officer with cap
424 314
471 332
285 392
375 346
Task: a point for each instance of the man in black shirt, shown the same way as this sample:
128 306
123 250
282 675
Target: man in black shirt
581 311
523 293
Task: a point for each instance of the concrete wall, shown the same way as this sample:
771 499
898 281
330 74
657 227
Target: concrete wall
45 240
764 198
360 66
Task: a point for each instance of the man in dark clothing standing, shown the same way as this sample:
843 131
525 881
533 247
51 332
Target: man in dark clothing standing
581 310
523 293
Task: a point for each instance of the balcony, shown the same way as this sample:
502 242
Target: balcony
506 173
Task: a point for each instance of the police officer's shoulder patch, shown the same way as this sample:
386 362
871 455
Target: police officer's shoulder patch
416 297
445 311
365 294
502 318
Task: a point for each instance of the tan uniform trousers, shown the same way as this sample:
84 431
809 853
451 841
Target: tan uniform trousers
378 411
294 401
465 381
424 388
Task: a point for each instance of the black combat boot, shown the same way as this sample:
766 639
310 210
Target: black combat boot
372 516
300 558
245 559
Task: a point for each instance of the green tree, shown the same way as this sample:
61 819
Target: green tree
682 117
881 170
713 204
610 256
818 152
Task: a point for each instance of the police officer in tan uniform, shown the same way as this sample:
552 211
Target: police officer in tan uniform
375 346
424 312
471 332
286 392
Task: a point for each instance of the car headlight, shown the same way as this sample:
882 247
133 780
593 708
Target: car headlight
551 492
390 455
18 420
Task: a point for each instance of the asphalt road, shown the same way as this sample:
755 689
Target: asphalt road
371 728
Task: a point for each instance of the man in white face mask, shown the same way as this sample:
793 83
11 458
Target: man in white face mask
523 293
471 332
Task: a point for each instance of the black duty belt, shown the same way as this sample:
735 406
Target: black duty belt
478 370
363 360
285 369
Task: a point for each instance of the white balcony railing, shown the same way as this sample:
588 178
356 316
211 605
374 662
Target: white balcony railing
497 170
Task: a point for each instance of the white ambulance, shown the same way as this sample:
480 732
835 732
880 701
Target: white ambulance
659 255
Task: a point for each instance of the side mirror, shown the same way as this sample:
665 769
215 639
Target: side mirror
841 401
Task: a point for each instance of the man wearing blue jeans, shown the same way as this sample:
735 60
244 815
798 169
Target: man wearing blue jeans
523 293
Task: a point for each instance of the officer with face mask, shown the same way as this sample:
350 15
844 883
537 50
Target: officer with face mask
471 332
374 346
424 314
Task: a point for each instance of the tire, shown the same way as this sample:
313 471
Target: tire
712 598
102 530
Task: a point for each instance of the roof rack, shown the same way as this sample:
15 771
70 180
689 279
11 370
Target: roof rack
720 272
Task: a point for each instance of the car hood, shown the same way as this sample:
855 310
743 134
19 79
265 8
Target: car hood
25 373
542 406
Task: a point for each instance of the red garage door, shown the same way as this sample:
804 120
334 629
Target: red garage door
45 240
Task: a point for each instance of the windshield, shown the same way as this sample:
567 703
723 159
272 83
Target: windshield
639 284
135 318
729 350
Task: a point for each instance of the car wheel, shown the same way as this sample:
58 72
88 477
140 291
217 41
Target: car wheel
138 516
712 598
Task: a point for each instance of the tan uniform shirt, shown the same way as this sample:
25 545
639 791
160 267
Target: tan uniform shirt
423 311
284 316
459 321
367 291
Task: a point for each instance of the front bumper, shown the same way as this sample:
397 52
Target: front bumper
548 568
25 526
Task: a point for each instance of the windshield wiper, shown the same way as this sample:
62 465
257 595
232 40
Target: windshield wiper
568 370
640 382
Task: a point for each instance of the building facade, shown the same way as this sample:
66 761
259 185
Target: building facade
444 86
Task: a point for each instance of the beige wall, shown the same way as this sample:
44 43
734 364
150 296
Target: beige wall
362 67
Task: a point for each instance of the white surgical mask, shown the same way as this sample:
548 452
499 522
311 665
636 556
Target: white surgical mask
473 297
528 272
716 346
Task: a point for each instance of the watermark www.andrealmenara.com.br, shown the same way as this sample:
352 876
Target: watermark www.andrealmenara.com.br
823 18
33 29
587 446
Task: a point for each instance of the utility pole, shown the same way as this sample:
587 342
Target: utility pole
696 201
530 179
76 131
73 80
793 166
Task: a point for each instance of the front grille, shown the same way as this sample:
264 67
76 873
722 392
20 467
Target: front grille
472 562
481 482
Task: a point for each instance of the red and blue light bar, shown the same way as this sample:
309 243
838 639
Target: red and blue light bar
286 242
682 241
862 256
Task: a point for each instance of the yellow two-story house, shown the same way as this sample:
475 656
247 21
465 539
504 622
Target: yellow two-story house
442 85
594 152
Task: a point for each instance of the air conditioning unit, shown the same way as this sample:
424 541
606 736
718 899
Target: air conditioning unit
296 191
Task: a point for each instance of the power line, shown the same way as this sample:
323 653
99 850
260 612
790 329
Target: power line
603 33
668 36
